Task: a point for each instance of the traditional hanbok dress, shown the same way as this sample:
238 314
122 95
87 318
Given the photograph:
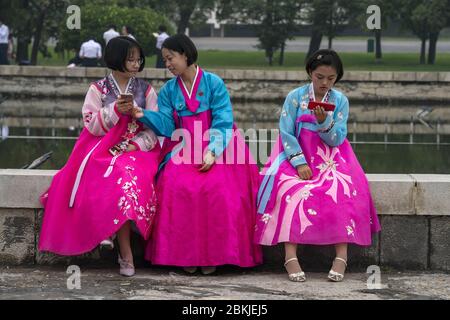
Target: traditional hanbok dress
95 193
335 205
203 218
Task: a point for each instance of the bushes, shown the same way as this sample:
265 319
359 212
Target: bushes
96 18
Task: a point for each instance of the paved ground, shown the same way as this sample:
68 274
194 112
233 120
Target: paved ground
302 44
229 283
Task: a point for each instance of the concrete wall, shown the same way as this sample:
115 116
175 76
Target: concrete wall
414 210
242 84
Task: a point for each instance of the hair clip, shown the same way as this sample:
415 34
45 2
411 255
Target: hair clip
319 57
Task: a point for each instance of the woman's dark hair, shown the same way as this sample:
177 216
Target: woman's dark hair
162 28
325 57
181 43
118 50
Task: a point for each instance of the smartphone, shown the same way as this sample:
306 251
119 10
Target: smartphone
326 106
126 96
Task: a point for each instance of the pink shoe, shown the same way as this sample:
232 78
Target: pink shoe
126 268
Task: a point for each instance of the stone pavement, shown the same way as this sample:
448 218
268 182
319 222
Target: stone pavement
45 282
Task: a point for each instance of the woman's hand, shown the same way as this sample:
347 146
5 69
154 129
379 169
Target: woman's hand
124 106
117 149
304 172
131 147
208 161
137 113
320 114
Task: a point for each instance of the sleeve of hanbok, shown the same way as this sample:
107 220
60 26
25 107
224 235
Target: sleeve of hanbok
291 146
98 119
222 118
333 130
161 121
146 139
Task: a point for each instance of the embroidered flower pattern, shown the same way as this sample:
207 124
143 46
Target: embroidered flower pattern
265 218
88 117
295 198
129 203
350 231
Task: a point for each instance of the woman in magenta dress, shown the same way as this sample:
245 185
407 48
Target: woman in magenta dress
208 182
107 182
314 190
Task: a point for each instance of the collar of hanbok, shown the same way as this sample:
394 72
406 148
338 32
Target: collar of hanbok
115 86
190 97
312 95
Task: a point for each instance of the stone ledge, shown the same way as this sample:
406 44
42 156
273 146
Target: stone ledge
21 188
413 210
393 194
231 74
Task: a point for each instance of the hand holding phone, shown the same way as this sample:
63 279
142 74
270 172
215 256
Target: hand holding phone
126 96
326 106
125 103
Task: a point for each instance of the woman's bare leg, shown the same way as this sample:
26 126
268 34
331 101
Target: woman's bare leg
291 252
123 237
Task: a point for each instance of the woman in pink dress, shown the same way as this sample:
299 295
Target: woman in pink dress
207 184
107 182
314 190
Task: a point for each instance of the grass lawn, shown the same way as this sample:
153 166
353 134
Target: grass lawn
215 59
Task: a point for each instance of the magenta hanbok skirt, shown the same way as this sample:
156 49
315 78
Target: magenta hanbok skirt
334 206
92 196
206 218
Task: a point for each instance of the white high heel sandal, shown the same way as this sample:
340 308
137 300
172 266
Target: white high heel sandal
297 276
336 276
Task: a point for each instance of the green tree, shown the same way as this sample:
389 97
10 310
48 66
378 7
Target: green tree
329 18
439 18
35 20
183 12
95 18
425 18
276 21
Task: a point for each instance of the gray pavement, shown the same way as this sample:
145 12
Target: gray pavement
388 45
229 283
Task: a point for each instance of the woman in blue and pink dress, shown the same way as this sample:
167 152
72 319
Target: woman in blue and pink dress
207 184
314 190
107 182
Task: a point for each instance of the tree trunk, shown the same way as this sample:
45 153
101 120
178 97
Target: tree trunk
37 37
330 42
422 51
186 11
22 48
432 47
281 61
269 56
378 54
314 42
